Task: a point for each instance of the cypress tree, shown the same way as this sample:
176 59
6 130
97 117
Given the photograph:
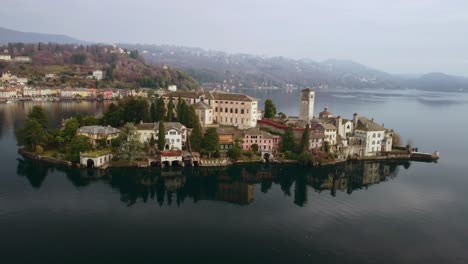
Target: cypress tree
153 112
305 144
170 110
161 136
160 110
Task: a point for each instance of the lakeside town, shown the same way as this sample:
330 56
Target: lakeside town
211 128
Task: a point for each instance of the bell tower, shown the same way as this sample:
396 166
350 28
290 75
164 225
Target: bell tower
307 104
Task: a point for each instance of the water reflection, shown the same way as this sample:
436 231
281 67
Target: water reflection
235 184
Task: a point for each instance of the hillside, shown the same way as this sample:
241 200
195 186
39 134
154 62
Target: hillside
72 64
253 71
8 35
222 69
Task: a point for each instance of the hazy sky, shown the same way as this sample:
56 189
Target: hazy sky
397 36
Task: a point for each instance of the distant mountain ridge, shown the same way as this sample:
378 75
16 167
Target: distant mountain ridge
245 70
9 35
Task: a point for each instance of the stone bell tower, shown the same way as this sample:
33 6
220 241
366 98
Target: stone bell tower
307 104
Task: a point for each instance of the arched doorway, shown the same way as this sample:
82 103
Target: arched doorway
266 156
90 163
166 147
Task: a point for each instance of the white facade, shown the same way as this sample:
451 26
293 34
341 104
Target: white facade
22 59
172 88
90 161
5 57
204 113
175 134
307 104
98 75
373 141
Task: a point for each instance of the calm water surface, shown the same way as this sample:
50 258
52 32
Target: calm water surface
354 213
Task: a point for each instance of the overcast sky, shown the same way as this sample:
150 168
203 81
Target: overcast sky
398 36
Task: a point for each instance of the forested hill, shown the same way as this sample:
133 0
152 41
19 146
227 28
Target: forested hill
73 64
250 71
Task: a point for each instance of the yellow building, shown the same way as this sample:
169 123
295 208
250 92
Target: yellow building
97 133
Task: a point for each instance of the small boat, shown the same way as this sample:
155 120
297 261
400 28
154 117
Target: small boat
9 101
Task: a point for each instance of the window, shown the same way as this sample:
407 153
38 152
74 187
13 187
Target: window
378 135
230 110
373 142
373 135
178 140
225 110
216 109
236 111
242 111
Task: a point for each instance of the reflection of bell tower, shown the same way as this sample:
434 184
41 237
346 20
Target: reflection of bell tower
307 104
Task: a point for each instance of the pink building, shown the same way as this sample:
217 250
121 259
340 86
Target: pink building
264 140
108 95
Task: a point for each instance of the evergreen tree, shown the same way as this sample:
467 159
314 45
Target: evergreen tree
130 147
196 135
192 117
161 136
78 144
153 112
236 151
170 109
38 113
288 142
305 144
31 135
183 115
160 110
270 109
211 141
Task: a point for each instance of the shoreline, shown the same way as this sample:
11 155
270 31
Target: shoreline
417 157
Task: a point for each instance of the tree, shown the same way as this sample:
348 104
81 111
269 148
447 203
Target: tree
196 137
270 109
152 141
78 144
396 139
161 136
130 148
69 129
31 135
254 147
282 115
236 151
288 142
38 113
170 109
305 143
160 110
153 112
211 141
182 111
192 117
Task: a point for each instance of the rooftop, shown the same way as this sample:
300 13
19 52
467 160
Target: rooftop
98 130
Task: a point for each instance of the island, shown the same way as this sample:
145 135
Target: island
212 129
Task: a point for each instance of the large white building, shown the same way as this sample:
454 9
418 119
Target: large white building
231 109
375 138
175 134
307 105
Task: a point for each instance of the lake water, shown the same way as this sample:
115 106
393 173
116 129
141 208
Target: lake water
406 212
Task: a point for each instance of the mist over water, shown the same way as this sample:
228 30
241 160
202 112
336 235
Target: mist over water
353 213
